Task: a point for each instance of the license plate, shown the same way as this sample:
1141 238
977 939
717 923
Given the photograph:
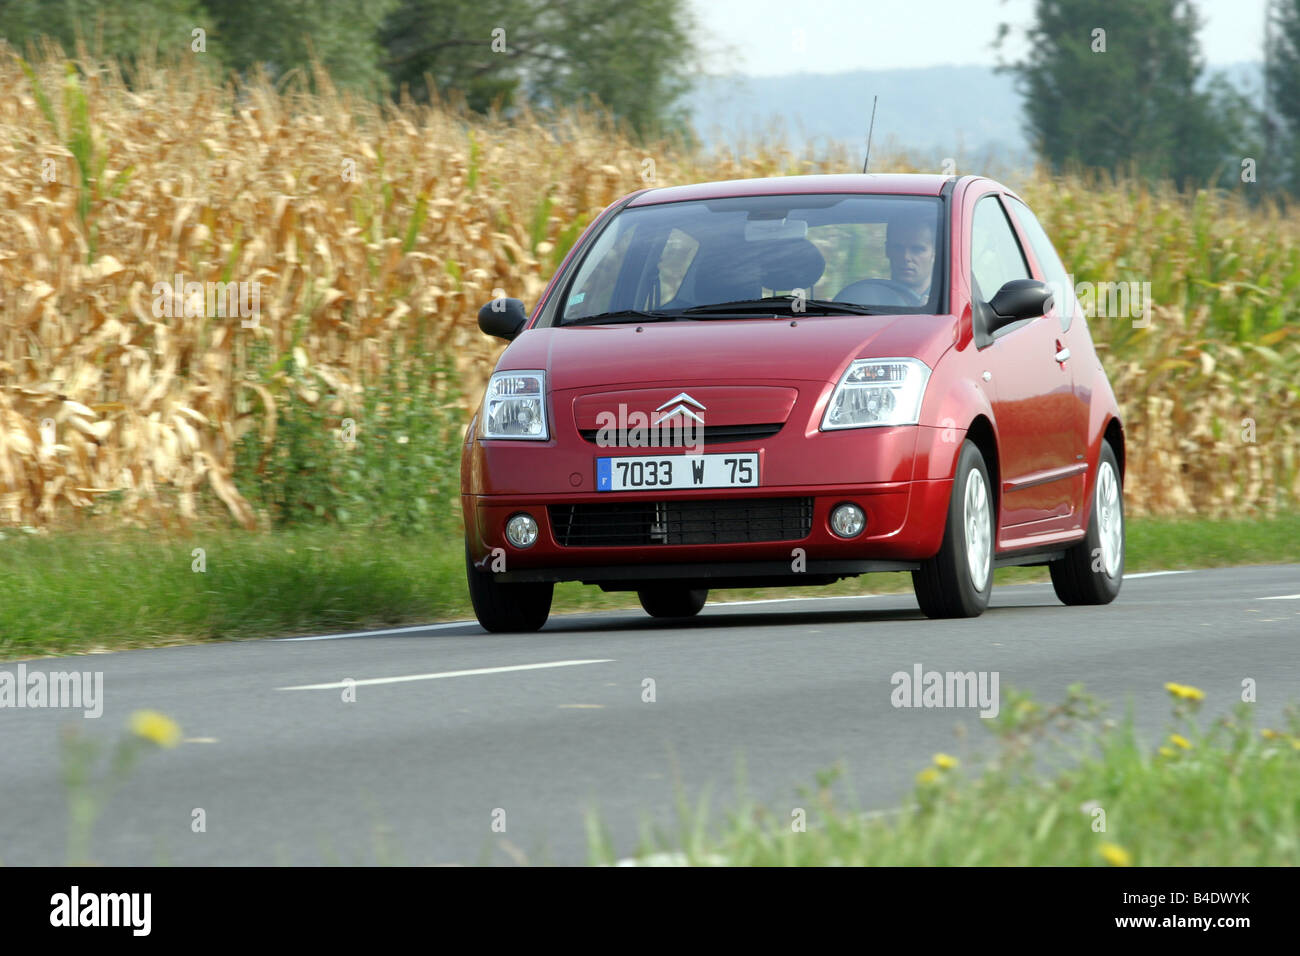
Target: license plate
677 471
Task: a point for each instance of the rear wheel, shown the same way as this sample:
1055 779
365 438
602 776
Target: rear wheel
507 607
957 581
672 600
1093 570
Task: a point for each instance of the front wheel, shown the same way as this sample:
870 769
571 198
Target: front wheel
672 600
1093 570
957 581
507 607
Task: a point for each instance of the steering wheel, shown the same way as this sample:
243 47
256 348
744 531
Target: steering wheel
862 293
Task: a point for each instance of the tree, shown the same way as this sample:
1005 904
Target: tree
1282 82
451 42
122 30
1119 87
631 57
277 35
282 35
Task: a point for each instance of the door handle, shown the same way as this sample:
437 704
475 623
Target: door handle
1062 355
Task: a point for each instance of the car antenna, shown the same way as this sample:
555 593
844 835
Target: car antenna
869 130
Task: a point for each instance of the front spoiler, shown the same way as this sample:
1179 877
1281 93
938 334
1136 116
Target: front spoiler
715 574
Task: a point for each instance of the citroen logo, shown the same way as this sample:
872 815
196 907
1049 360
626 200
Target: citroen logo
679 403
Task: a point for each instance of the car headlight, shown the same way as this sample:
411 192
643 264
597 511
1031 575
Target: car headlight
878 392
515 406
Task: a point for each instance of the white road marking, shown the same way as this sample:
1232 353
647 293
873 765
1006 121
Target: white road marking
1281 597
372 681
859 597
835 597
391 630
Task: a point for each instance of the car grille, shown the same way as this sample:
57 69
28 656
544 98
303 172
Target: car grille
713 435
682 522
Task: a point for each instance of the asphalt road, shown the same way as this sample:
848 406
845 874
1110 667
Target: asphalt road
416 771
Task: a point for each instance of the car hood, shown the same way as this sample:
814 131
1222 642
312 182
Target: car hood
812 348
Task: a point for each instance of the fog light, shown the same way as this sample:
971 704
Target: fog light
847 520
521 530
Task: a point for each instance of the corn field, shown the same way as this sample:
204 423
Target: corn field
374 232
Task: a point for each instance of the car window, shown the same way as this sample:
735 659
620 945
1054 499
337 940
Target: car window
593 288
995 255
677 255
1053 269
876 251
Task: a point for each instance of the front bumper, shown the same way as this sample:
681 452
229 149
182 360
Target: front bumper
900 476
904 523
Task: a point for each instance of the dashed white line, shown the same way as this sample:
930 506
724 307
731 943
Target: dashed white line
1281 597
1152 574
372 681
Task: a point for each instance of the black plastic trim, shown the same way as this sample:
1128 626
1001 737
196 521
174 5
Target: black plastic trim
751 573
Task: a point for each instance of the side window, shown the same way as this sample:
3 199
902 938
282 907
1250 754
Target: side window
593 289
1053 269
995 254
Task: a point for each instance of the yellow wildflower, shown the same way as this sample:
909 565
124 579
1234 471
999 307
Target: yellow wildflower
1116 855
1178 740
157 727
927 776
945 761
1184 692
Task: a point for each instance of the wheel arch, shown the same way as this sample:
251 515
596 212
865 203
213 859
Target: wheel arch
980 433
1114 435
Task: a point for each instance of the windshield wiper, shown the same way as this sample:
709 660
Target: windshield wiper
623 315
816 306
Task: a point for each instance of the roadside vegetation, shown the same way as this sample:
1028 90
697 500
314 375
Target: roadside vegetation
1064 785
1068 784
375 233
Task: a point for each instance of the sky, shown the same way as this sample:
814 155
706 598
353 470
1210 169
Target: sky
772 37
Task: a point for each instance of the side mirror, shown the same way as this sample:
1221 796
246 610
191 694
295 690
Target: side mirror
504 318
1018 299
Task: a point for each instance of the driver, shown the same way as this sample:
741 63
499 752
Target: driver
909 246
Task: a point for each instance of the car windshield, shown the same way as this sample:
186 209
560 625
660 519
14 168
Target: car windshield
878 253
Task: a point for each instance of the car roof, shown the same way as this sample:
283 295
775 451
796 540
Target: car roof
914 184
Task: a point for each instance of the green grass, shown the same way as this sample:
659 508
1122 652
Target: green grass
79 591
1218 796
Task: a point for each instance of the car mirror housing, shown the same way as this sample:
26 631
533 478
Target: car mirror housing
503 318
1019 299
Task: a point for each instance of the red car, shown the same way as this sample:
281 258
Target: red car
789 381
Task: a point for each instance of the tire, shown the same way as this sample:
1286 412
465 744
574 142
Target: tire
1093 570
672 600
507 607
957 581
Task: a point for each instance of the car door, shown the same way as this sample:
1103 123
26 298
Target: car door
1031 392
1073 344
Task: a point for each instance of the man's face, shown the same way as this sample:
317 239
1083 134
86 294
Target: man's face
910 248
